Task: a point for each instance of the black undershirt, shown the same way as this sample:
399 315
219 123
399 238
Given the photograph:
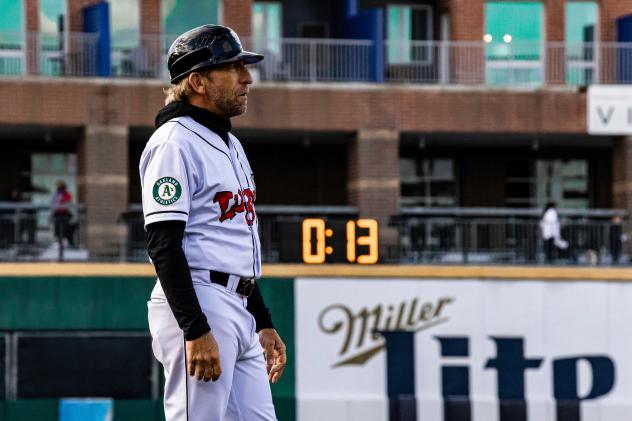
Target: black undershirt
165 249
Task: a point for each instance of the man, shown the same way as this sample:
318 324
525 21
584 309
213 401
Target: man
198 203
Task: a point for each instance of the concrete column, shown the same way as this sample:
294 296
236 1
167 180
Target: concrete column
103 187
374 185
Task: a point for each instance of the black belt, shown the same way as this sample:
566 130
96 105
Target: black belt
244 286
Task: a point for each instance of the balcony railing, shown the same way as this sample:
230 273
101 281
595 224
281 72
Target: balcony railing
32 233
508 236
416 236
337 60
508 64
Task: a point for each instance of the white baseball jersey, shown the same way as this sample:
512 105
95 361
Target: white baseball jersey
189 174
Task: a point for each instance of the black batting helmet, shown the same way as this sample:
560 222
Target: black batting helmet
203 47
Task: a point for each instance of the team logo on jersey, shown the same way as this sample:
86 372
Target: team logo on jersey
167 191
243 201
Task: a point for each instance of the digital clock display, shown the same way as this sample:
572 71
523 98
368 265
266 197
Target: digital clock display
321 242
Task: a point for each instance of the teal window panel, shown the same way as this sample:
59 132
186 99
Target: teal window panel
52 17
266 27
125 23
514 43
128 56
11 37
406 29
580 33
178 16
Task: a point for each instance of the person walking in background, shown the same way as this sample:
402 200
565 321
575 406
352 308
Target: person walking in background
62 199
550 228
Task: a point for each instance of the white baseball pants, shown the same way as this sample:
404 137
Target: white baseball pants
242 392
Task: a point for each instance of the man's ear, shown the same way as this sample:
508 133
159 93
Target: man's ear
196 83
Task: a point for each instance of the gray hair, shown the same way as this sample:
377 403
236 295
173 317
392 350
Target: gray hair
181 91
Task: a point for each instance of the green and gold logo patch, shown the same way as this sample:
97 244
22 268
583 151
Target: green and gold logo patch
167 191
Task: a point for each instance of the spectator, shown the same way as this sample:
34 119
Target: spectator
62 215
550 227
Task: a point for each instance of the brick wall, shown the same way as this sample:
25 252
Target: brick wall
238 15
610 10
622 174
467 20
322 107
554 31
74 11
31 20
150 17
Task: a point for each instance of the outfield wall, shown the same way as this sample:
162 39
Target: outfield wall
463 343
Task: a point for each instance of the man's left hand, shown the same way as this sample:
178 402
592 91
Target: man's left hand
274 353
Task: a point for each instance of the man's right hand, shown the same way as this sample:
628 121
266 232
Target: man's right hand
203 358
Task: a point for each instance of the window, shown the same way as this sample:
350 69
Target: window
519 184
534 183
581 32
564 182
11 37
513 37
179 16
127 53
52 16
428 182
266 28
409 30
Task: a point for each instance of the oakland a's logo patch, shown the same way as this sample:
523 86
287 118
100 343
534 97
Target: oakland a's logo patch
167 191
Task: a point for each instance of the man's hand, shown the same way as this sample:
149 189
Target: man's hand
203 358
274 353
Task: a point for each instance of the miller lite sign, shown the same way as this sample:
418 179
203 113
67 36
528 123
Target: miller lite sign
463 350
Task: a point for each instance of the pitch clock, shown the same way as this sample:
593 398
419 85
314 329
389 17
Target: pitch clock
350 241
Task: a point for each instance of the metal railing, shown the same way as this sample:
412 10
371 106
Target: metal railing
313 60
148 59
508 64
338 60
509 236
33 233
417 235
33 53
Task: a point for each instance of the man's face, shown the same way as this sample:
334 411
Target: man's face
228 89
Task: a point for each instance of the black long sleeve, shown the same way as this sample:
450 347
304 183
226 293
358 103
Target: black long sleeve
164 245
258 309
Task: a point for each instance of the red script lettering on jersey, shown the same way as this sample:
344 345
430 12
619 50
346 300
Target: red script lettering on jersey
243 200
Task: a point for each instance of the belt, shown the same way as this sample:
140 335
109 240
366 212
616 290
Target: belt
244 285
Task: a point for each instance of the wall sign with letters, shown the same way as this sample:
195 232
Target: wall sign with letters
463 350
609 110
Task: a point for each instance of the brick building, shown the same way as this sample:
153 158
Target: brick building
458 108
